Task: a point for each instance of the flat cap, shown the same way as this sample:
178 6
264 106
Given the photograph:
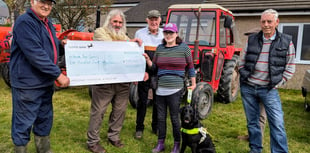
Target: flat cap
153 13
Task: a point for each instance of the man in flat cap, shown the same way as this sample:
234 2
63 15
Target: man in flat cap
151 36
33 69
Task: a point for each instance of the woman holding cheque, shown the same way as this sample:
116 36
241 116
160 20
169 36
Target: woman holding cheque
170 62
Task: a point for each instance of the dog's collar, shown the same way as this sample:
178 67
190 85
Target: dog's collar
190 131
200 130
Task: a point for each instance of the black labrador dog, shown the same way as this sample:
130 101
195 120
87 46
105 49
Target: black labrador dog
192 134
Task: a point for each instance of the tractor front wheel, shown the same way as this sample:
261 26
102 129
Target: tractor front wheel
202 99
5 72
229 83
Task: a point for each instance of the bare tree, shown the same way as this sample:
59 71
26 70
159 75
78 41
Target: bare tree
16 7
70 13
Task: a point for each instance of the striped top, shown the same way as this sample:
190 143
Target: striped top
171 64
261 73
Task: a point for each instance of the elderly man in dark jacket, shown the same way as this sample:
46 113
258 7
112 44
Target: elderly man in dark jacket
33 67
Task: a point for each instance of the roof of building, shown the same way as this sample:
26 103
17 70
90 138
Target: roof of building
138 13
197 6
125 1
238 6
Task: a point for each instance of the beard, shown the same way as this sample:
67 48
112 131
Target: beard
116 34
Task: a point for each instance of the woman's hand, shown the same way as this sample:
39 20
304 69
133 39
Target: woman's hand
193 86
146 76
147 59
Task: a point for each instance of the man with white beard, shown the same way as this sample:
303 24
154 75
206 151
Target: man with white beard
114 29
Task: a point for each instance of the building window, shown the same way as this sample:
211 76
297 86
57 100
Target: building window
301 36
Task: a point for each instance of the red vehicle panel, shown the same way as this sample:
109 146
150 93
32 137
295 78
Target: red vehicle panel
208 31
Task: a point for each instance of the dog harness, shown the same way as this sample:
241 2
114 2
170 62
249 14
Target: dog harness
193 131
200 130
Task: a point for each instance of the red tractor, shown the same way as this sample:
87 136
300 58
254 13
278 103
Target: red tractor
208 31
5 35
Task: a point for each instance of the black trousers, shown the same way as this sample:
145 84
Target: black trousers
143 88
171 102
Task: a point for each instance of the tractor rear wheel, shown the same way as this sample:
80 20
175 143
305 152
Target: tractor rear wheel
5 72
202 99
133 95
229 83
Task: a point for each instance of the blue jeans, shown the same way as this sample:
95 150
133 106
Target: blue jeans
251 96
32 109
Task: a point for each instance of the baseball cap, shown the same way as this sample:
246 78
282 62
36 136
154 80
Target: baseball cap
54 1
153 13
171 27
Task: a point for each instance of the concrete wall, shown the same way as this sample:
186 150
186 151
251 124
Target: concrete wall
244 24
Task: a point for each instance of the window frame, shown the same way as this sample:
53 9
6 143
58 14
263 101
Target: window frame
299 40
187 36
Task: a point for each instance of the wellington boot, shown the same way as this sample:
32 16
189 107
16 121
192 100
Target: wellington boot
160 146
20 149
176 147
42 144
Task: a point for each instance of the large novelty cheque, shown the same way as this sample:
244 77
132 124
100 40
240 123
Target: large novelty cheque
102 62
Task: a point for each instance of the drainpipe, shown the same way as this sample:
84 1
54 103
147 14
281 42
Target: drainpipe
98 17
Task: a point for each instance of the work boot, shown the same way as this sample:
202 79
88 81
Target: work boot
138 134
97 148
160 146
176 147
42 144
20 149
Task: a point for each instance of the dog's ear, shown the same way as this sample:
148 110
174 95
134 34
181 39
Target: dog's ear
181 109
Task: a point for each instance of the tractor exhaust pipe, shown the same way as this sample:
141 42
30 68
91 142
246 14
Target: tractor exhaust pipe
196 44
98 17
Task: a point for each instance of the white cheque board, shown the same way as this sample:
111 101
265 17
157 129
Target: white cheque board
103 62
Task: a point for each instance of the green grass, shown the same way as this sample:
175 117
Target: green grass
226 122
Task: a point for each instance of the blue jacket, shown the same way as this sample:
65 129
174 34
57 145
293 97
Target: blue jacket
32 55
